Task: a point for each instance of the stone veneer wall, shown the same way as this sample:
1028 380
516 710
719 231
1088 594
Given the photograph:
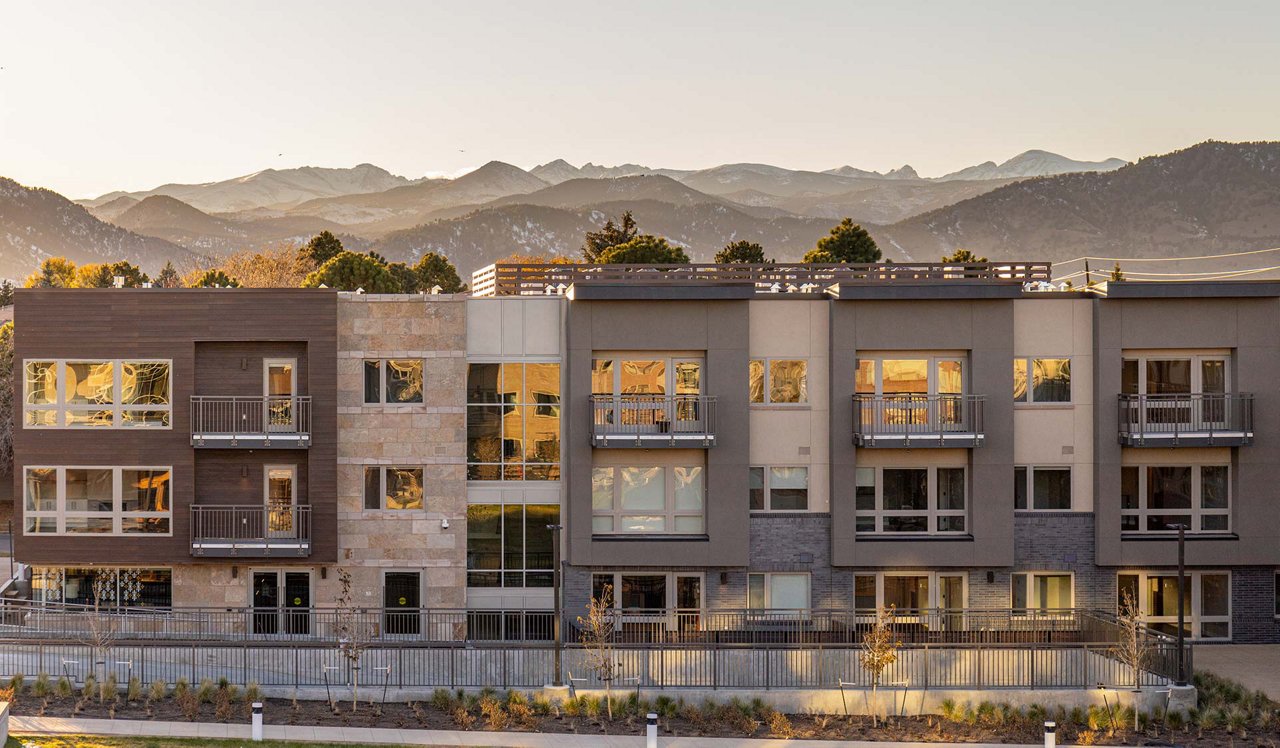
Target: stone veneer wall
432 434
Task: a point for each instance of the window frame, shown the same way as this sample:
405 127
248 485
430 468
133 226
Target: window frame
502 571
1034 607
1196 360
1028 482
382 488
521 469
1025 366
1195 620
766 487
670 512
118 516
671 593
932 513
670 361
41 574
766 382
935 591
931 358
384 371
61 409
767 578
1196 512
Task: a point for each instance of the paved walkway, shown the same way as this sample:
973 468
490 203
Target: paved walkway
383 736
1255 666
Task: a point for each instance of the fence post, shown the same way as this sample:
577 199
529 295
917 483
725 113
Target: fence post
1034 649
453 666
767 669
715 666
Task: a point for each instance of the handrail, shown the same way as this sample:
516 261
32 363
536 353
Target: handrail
1207 416
229 529
656 416
262 417
913 417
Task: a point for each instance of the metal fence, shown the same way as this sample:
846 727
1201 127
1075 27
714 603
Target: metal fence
918 420
1224 419
653 420
219 421
253 530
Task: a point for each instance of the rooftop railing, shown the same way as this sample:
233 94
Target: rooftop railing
539 279
1186 420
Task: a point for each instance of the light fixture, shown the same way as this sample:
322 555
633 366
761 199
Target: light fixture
444 523
244 471
235 572
324 572
991 577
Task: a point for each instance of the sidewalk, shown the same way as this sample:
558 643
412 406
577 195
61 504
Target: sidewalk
382 736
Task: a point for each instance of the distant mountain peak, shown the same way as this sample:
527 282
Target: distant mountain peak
1033 163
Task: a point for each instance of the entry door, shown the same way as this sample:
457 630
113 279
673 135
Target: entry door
402 598
281 602
297 602
951 601
688 602
266 602
279 386
280 497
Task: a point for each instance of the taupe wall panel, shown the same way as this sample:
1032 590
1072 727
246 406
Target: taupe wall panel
164 323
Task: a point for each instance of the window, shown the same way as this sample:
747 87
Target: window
388 487
1206 601
1049 378
909 592
778 592
779 489
1048 488
1174 375
1041 592
96 500
124 587
513 421
778 380
97 394
393 381
640 591
1156 498
905 377
910 500
509 545
647 500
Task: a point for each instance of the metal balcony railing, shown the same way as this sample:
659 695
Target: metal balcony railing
251 530
1201 419
918 420
251 422
653 420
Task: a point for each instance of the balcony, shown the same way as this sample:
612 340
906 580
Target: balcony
649 421
910 421
1186 420
250 531
264 422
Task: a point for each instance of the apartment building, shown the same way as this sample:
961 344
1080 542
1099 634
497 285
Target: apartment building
714 449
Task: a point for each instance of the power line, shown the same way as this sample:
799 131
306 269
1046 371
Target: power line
1086 258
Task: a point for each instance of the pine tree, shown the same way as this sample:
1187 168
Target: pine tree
644 249
54 272
215 279
963 256
168 277
847 243
349 271
322 248
741 251
610 236
436 270
6 293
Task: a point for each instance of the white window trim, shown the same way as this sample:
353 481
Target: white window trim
932 359
932 513
1030 485
1195 512
935 591
768 593
767 487
1033 608
382 488
1197 382
61 408
382 381
670 361
766 380
669 512
1193 618
1028 371
117 513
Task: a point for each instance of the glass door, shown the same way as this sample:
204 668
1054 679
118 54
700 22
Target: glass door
281 499
688 603
281 602
297 602
688 386
1213 384
279 386
266 602
951 602
402 597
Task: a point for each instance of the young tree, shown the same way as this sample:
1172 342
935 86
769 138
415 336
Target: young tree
282 266
436 270
610 236
355 632
103 627
6 293
646 249
598 628
1134 647
168 277
213 278
741 251
322 248
349 271
1116 273
879 651
54 272
847 242
963 256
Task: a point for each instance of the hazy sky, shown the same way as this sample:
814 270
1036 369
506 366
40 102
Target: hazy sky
98 95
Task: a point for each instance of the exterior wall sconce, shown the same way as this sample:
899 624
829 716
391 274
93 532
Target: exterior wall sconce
444 523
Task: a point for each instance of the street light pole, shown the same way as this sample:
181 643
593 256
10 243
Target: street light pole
555 591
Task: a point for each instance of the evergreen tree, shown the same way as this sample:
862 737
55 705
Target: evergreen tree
741 251
847 243
349 271
610 236
436 270
322 248
406 279
104 276
54 272
644 249
215 278
964 257
168 277
6 293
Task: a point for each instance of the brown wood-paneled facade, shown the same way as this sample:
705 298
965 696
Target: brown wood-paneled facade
217 340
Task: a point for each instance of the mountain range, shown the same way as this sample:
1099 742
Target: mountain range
1037 205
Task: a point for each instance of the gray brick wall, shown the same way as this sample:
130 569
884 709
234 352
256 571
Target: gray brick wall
1253 600
1062 541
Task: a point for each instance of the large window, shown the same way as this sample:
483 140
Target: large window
902 376
104 586
909 592
1042 380
96 394
97 500
393 381
513 421
910 500
779 489
1041 592
789 591
1042 488
1206 601
509 545
778 381
657 500
1174 375
1158 498
648 591
393 487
